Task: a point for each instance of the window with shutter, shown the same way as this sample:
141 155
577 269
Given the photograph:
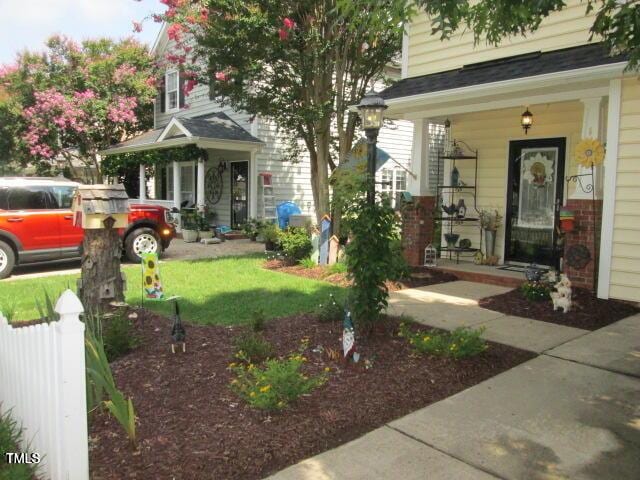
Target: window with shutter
172 95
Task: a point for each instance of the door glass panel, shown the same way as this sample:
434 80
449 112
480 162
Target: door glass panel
535 195
239 193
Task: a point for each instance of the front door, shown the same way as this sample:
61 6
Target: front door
239 193
534 195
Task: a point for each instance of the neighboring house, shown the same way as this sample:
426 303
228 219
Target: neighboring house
574 90
239 154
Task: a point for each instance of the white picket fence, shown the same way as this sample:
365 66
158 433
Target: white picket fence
42 384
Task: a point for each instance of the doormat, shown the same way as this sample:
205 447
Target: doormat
512 268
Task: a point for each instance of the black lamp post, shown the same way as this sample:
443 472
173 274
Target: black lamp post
371 108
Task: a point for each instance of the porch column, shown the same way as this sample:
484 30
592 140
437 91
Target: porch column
253 186
417 224
200 200
592 127
177 200
142 195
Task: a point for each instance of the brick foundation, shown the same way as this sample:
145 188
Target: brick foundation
582 234
417 228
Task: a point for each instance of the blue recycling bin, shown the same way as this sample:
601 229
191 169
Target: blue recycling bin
285 210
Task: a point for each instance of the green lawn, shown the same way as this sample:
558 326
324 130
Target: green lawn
224 291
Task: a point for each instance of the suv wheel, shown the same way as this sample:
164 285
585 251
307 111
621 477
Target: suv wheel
7 260
142 240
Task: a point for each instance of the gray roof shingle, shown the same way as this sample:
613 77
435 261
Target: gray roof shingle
520 66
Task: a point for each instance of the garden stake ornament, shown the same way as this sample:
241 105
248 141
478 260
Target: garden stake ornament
178 332
348 338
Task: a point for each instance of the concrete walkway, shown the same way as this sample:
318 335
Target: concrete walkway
455 304
571 413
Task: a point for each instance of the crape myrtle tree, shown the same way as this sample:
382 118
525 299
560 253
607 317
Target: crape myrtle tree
616 22
299 64
73 100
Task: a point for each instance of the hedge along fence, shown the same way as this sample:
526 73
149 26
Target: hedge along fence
42 383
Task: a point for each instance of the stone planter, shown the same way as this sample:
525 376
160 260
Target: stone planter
489 242
205 234
189 236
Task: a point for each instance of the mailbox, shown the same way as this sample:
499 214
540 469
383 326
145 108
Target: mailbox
101 206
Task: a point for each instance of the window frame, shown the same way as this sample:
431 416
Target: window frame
167 91
392 190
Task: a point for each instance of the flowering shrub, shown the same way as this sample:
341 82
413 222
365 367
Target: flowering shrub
275 384
332 311
536 291
460 343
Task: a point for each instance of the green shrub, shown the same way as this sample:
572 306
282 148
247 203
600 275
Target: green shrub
258 320
251 347
308 263
269 232
295 243
119 337
338 267
10 433
460 343
332 311
372 227
274 385
536 291
399 267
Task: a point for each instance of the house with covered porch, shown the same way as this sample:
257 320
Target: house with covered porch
564 88
233 156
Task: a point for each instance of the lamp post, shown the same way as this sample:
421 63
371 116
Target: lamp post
371 108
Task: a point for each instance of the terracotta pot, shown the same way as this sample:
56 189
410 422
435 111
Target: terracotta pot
567 224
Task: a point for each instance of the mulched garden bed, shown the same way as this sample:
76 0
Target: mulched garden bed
420 276
192 426
587 312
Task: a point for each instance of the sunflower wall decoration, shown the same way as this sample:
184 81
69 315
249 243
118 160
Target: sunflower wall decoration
589 152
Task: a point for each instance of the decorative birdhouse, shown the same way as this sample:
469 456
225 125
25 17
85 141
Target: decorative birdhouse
430 256
101 206
334 248
325 234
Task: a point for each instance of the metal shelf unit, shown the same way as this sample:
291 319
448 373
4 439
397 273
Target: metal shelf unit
453 193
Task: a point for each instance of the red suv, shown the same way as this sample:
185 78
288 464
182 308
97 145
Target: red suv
36 224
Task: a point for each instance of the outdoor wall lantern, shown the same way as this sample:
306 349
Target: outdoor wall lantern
527 120
371 109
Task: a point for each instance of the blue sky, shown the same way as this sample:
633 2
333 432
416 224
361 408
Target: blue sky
28 23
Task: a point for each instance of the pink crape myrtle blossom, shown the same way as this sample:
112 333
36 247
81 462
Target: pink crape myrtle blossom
7 70
123 110
124 71
137 27
221 76
174 32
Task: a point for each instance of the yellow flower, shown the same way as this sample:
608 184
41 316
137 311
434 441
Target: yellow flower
426 338
589 152
234 381
252 394
327 369
280 404
232 364
265 389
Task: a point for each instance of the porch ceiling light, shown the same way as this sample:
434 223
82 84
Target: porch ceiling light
371 108
527 120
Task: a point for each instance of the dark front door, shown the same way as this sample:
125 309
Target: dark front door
536 173
239 193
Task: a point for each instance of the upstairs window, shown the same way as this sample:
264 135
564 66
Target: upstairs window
172 90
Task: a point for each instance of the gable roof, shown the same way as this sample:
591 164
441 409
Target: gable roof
520 66
215 127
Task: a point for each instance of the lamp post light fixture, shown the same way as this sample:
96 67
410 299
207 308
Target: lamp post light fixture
527 120
371 108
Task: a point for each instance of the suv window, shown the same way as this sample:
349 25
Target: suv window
4 198
27 198
61 197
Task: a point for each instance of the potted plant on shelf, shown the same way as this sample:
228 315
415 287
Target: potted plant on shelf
270 234
490 221
189 226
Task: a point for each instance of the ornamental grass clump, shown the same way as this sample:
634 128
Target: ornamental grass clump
461 343
251 347
275 384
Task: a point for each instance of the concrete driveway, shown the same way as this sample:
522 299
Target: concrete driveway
178 250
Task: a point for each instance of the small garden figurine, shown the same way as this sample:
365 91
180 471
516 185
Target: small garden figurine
561 298
348 336
178 332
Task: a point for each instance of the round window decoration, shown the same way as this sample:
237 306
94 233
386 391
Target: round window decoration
589 152
213 185
578 256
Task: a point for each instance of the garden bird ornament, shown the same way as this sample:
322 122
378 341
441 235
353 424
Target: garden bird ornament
178 333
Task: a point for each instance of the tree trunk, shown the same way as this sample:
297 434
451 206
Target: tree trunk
101 281
321 177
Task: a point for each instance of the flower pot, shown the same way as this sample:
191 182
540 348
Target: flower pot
567 224
451 239
189 236
489 242
205 234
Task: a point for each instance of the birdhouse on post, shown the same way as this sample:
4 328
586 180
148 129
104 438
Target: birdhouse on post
101 210
101 206
334 249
